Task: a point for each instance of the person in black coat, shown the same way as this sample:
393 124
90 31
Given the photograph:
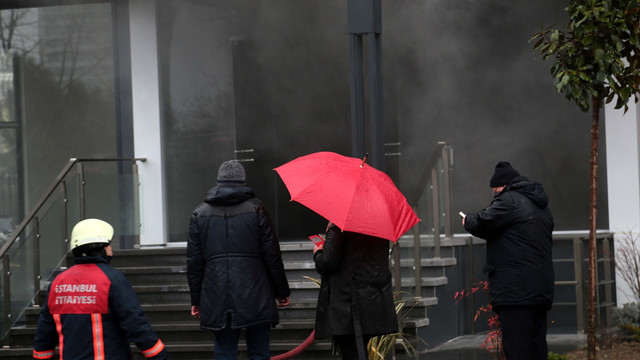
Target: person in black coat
518 226
355 302
234 266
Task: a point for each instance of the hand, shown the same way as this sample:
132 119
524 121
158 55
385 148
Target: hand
328 226
464 217
282 302
195 311
318 247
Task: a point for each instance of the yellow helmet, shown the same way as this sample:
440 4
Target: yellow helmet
91 231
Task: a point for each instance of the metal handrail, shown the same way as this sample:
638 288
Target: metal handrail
573 259
50 192
420 187
443 155
605 260
6 321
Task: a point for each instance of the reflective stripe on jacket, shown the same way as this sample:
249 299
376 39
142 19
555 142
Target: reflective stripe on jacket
92 313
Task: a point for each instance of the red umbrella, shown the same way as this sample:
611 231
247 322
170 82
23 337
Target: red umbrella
349 193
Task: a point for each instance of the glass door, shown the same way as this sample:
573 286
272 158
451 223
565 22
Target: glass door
56 97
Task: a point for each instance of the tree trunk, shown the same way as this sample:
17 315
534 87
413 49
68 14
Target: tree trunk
591 326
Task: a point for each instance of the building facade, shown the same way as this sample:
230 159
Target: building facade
188 84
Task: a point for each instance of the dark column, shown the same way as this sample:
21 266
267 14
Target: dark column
365 19
124 121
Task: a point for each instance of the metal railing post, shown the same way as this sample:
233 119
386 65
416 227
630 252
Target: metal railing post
577 268
436 212
136 204
81 184
36 260
417 263
447 160
6 298
65 220
397 276
468 283
608 295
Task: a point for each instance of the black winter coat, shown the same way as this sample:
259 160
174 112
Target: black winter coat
518 227
234 264
355 275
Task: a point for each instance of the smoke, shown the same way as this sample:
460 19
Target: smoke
465 73
273 76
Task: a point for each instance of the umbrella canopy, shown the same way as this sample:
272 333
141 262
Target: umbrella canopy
350 193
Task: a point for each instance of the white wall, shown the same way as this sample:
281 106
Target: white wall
623 180
146 121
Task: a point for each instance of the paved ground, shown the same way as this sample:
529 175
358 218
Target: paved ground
468 347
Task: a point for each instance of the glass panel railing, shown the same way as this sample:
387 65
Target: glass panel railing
5 299
110 196
432 202
100 188
72 209
425 210
53 235
571 265
22 274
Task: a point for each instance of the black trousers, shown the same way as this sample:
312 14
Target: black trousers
524 332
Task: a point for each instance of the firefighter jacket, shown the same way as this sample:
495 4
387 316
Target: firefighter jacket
92 313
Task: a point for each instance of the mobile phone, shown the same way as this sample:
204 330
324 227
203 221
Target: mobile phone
462 214
317 239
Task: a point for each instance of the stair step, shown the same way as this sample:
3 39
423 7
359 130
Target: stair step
319 349
168 256
430 262
17 353
162 294
426 281
156 275
159 278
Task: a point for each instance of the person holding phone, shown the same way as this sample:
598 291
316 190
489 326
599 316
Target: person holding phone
517 226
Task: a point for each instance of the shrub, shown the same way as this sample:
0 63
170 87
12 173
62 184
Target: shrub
628 320
628 261
493 340
628 314
555 356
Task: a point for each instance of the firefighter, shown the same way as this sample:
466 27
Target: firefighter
91 311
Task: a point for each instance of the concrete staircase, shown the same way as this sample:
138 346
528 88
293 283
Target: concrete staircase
159 278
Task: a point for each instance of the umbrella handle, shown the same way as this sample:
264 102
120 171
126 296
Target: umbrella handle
364 159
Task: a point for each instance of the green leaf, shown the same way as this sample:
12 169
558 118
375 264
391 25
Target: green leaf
599 55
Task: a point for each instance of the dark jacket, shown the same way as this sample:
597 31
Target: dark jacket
234 265
97 313
518 227
355 276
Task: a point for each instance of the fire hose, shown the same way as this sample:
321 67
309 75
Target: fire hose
298 349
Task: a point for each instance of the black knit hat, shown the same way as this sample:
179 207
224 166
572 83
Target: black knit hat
503 174
231 173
